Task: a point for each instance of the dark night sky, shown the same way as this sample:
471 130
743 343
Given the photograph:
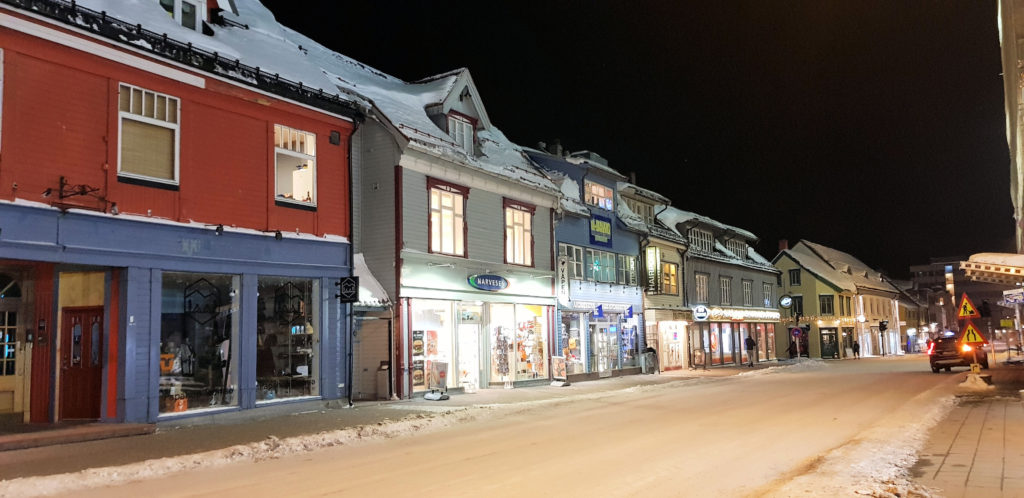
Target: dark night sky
874 127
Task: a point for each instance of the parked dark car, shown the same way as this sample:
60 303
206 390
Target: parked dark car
947 352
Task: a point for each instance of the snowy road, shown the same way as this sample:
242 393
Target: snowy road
814 429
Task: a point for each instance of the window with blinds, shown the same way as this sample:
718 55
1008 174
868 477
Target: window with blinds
149 134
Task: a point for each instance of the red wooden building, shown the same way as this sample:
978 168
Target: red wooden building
172 221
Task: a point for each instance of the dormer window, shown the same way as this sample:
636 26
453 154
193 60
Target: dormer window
190 13
643 210
462 130
701 240
738 248
598 195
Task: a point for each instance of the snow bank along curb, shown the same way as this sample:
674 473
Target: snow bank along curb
273 447
877 461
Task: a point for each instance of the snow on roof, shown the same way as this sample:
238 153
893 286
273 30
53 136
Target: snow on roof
570 198
583 160
641 192
276 49
859 273
626 215
672 216
813 263
371 293
998 258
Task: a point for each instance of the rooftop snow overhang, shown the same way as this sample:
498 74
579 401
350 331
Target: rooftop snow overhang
138 38
996 268
371 294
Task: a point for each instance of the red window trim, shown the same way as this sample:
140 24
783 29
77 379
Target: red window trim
462 190
525 207
471 119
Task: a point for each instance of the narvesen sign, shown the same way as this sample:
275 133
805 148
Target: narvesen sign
491 283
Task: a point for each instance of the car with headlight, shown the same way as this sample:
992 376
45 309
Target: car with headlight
947 352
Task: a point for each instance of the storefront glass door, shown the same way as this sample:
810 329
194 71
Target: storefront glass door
829 343
469 346
604 338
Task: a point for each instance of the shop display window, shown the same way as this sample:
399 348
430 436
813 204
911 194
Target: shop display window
198 341
629 343
431 344
517 339
742 345
728 343
572 344
287 338
769 342
713 345
531 331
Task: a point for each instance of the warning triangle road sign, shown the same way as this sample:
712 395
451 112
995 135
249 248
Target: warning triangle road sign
967 309
971 334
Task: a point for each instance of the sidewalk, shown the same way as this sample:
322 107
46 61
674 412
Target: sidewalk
978 449
176 438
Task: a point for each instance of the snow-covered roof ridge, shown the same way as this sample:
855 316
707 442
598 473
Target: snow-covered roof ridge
632 188
569 199
859 273
672 216
279 51
820 268
998 258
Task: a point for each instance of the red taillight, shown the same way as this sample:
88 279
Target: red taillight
931 348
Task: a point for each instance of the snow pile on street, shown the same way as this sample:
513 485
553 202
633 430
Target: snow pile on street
797 365
974 382
877 463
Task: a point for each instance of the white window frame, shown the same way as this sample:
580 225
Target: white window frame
575 256
700 283
200 6
669 278
598 195
737 247
725 290
748 293
625 270
437 220
290 148
462 131
701 240
150 120
606 274
518 235
766 287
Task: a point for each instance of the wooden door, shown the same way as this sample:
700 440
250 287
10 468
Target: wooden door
81 362
12 358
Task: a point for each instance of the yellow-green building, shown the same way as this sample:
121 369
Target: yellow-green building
818 300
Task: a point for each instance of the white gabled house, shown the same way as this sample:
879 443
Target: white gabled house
457 226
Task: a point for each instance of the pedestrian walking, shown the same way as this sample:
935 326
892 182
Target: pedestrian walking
856 350
751 345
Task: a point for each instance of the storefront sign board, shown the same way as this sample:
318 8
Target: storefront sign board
600 230
490 283
558 367
1013 296
562 280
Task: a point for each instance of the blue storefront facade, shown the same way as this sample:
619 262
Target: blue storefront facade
127 319
599 314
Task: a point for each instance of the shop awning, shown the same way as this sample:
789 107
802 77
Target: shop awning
371 293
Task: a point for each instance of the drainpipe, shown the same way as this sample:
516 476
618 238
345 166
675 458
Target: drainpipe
351 260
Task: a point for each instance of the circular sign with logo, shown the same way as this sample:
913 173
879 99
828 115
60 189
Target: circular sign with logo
701 313
796 331
786 301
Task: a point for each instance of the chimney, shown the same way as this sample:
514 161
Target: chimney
632 177
783 244
556 148
542 146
